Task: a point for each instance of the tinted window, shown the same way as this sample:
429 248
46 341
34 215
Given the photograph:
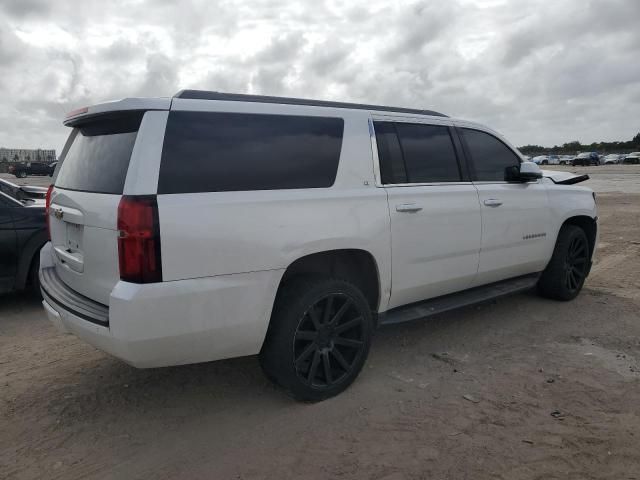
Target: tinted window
491 158
428 152
416 153
9 189
216 152
5 202
98 158
390 154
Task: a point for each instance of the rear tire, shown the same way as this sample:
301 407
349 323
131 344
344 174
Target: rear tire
566 272
318 338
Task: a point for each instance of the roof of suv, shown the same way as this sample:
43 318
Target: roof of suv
164 103
238 97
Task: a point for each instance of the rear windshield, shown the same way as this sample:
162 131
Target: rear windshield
98 158
218 152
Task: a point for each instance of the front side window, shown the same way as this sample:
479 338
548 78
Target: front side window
416 153
492 159
219 152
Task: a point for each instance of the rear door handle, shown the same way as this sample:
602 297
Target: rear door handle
492 202
408 208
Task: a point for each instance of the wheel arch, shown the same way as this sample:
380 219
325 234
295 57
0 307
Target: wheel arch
29 250
588 225
356 266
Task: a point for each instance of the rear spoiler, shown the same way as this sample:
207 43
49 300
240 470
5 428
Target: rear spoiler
127 104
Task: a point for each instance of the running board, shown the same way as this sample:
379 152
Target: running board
452 301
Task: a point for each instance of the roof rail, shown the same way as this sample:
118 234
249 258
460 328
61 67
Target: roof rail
239 97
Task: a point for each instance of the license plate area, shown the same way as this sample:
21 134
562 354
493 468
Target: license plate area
74 237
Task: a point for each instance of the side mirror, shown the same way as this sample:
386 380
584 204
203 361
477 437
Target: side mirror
525 172
529 171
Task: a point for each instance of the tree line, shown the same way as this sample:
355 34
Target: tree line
571 148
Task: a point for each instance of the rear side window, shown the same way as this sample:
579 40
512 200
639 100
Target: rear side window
98 159
392 169
425 153
491 158
218 152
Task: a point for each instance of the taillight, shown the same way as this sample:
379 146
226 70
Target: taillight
47 204
139 239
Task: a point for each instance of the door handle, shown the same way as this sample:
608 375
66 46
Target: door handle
408 208
492 202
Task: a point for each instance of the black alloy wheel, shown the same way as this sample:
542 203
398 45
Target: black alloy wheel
569 265
575 266
318 338
329 341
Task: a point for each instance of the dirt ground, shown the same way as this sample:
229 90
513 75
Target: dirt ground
521 388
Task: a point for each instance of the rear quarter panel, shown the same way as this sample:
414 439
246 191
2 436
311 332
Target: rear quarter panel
221 233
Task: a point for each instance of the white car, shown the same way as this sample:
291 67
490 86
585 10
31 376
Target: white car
611 159
632 158
208 226
541 160
546 160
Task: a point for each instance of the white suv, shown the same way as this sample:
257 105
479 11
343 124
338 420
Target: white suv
208 226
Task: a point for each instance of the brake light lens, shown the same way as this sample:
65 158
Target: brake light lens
139 239
47 205
77 111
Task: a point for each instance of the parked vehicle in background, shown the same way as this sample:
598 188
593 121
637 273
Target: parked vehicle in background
633 158
611 159
586 158
565 159
541 160
210 225
22 192
22 170
23 232
546 160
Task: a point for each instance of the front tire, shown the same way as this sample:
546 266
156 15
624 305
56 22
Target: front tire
566 272
318 339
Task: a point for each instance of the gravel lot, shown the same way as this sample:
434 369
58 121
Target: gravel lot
519 388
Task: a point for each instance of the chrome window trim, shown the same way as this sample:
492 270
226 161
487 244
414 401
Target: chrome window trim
487 182
374 154
11 199
431 184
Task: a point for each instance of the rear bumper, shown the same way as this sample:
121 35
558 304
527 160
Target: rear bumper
56 293
171 323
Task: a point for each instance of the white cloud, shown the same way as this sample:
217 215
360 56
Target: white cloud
539 71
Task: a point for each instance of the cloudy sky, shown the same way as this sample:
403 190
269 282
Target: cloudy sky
539 71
